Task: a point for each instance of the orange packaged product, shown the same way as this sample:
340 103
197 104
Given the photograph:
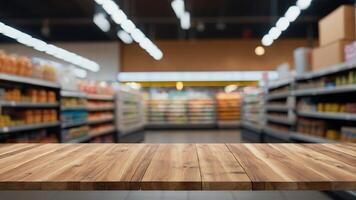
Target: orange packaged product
38 116
13 67
42 96
33 95
29 118
51 97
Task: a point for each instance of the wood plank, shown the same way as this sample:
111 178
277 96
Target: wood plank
173 167
220 170
338 155
8 150
271 169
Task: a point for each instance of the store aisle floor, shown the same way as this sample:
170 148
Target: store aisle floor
193 136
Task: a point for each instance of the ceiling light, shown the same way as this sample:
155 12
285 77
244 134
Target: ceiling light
120 18
230 88
101 21
292 13
179 85
282 24
50 49
185 21
178 7
303 4
267 40
274 33
259 51
124 37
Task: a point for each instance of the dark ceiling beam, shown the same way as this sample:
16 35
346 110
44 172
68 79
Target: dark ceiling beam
163 20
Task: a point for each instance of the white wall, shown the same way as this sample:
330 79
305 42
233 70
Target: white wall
106 54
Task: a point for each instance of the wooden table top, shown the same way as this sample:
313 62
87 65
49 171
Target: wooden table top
178 167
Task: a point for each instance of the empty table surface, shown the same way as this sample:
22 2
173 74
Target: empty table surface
178 166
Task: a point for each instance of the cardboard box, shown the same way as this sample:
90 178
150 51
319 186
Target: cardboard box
338 25
331 54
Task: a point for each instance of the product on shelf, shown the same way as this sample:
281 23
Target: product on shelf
23 66
307 104
28 95
348 134
252 106
38 136
96 87
73 102
100 129
74 116
92 116
228 106
99 104
27 117
76 132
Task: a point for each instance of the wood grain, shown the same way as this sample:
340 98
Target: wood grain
292 167
173 167
220 170
178 167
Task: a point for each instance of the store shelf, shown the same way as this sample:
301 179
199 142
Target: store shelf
327 71
108 108
100 97
250 126
280 120
278 108
280 95
323 91
279 134
73 124
73 108
75 94
11 129
279 84
15 104
328 115
99 121
79 139
101 133
26 80
295 136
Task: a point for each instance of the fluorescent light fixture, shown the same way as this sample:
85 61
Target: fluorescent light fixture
179 86
50 49
178 7
185 21
274 33
101 21
194 76
230 88
124 37
292 13
120 18
184 16
303 4
282 24
80 73
267 40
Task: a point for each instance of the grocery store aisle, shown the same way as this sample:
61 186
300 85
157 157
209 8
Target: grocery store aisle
193 136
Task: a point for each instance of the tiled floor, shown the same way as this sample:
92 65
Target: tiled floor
186 136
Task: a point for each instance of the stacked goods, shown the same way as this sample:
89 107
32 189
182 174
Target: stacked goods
92 104
337 80
28 95
228 106
38 136
348 134
317 128
201 111
96 87
11 117
156 113
253 103
94 116
74 116
73 133
335 31
101 129
23 66
177 112
73 102
307 104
